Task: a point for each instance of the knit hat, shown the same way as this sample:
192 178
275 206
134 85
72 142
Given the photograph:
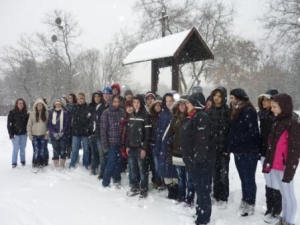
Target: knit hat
128 103
197 100
59 100
107 90
240 94
197 89
117 86
150 94
128 92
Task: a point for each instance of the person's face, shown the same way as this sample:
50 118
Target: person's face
106 97
39 106
157 108
128 97
136 104
116 102
266 103
97 98
115 91
232 99
149 100
57 105
169 102
20 105
218 98
70 99
275 108
80 99
189 106
129 109
182 107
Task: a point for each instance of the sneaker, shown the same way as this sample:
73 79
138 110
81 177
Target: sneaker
14 166
143 194
23 163
133 191
273 219
248 210
117 185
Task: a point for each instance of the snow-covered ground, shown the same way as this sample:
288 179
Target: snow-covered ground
60 198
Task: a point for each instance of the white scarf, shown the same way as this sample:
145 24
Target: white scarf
61 119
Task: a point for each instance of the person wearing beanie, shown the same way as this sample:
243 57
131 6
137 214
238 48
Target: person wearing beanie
116 89
110 134
166 169
128 95
107 93
96 108
282 155
149 98
197 89
136 146
266 117
243 142
58 127
196 154
219 120
80 120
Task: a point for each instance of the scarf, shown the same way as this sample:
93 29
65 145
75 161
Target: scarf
61 119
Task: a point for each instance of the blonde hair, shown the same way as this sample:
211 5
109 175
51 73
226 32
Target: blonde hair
81 94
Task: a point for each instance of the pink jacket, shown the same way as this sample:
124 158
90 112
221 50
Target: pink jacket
281 153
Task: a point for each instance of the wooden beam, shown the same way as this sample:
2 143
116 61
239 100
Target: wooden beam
154 76
175 76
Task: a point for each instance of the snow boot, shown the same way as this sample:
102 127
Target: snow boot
55 163
172 191
248 210
133 192
62 163
277 202
143 193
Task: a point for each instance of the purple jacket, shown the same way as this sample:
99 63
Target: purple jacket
110 126
55 128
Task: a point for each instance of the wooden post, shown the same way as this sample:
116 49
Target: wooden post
154 76
163 19
175 76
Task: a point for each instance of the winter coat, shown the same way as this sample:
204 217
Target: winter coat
266 118
55 129
219 120
284 145
153 121
17 123
80 120
173 132
243 136
40 127
165 168
110 126
194 144
137 130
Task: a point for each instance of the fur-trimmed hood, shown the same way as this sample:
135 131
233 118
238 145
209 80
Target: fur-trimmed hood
40 101
175 107
152 106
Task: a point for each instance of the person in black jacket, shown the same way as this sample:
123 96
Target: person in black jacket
16 125
196 154
243 142
96 107
80 125
219 120
136 144
266 117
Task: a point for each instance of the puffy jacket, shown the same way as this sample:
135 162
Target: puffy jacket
55 127
80 120
17 123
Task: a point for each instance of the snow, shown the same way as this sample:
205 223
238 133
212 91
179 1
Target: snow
155 49
59 198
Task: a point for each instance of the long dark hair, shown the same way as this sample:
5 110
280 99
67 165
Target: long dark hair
24 110
74 98
236 111
43 114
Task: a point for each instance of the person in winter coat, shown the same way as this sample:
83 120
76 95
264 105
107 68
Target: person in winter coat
243 142
128 95
37 132
154 111
136 146
282 155
186 191
198 158
149 99
80 125
58 127
111 141
266 117
69 106
219 119
96 108
107 93
165 168
16 125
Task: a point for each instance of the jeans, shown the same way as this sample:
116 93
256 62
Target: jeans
202 184
59 149
76 144
103 157
113 166
185 181
246 167
137 169
220 177
155 162
19 143
93 143
39 150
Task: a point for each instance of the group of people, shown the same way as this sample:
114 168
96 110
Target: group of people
183 144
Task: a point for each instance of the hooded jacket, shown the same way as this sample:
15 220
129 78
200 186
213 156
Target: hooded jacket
153 121
219 120
17 123
40 127
284 144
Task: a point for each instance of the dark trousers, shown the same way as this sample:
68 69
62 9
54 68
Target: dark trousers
202 183
246 167
220 177
59 149
138 169
38 144
92 141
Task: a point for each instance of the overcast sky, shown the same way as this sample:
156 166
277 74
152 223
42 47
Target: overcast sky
100 19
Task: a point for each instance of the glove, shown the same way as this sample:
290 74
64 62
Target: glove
124 153
46 137
56 136
60 134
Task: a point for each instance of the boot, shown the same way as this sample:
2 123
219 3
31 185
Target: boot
56 163
269 201
277 202
62 163
172 192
